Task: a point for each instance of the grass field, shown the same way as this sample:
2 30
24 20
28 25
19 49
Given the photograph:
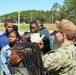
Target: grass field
25 26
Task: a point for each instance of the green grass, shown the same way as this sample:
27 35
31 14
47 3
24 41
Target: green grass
1 26
26 27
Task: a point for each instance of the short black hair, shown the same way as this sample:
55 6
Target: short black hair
27 35
15 27
34 22
8 21
40 21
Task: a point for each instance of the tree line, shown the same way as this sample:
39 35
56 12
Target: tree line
57 12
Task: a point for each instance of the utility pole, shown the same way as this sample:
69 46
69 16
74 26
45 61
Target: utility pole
31 16
19 15
52 15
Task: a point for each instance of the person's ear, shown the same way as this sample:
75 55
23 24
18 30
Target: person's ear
20 58
64 35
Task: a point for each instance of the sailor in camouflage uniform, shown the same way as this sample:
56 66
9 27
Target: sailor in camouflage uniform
62 61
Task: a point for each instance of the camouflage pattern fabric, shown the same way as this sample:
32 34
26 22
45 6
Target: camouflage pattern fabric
61 61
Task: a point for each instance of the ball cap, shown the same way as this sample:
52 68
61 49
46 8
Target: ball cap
65 26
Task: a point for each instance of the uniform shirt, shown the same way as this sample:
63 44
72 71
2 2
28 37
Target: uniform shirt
61 61
4 58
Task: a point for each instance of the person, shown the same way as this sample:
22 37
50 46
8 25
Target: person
28 59
15 28
43 31
54 44
35 29
4 37
33 26
6 52
62 61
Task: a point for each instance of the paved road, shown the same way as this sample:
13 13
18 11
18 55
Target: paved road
2 31
21 32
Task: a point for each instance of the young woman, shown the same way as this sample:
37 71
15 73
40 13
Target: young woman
6 52
28 59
